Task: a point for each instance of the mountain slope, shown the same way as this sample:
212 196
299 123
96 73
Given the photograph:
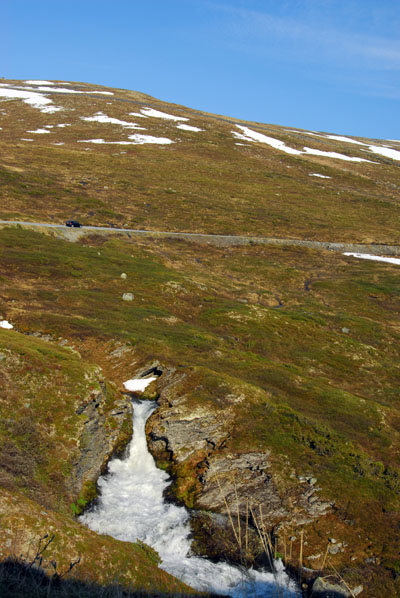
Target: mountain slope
280 364
114 156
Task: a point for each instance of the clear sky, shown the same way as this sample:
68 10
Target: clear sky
326 65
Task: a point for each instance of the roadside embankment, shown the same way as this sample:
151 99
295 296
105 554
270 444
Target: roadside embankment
74 234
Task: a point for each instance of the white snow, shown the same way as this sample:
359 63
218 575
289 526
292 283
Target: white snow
188 128
385 151
131 507
36 100
341 138
159 114
376 258
101 141
5 324
24 139
321 176
140 139
137 139
63 90
35 82
249 135
138 384
59 143
100 117
137 114
39 131
63 125
316 152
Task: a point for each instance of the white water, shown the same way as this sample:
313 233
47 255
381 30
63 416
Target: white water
132 507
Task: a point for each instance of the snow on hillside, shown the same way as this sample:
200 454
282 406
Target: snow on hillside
36 94
189 128
375 258
135 140
36 100
250 135
100 117
158 114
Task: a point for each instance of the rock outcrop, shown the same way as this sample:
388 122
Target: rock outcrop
192 440
106 431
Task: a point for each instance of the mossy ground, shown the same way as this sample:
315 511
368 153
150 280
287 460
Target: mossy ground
317 363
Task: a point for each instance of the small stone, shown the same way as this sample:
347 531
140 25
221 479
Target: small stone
324 589
334 549
332 540
312 481
128 297
345 330
124 276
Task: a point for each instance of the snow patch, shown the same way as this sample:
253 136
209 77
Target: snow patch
24 139
6 324
39 131
138 384
63 90
137 139
321 176
36 100
249 135
344 139
140 139
385 151
316 152
100 117
188 128
35 82
158 114
376 258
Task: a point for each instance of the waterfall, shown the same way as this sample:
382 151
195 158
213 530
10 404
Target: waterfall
131 507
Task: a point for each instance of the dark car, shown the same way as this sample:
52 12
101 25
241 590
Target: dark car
74 223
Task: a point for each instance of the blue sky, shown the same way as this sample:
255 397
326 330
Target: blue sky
326 65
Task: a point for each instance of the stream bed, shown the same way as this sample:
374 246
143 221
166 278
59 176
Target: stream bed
131 506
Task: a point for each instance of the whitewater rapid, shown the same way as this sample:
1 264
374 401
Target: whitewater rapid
131 507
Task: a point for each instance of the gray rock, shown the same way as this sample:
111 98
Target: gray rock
345 330
324 589
128 297
124 276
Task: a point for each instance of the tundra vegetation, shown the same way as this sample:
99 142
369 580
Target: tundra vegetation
294 350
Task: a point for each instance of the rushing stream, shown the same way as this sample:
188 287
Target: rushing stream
132 507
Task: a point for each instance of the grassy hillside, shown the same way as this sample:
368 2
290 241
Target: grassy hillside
307 339
204 181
